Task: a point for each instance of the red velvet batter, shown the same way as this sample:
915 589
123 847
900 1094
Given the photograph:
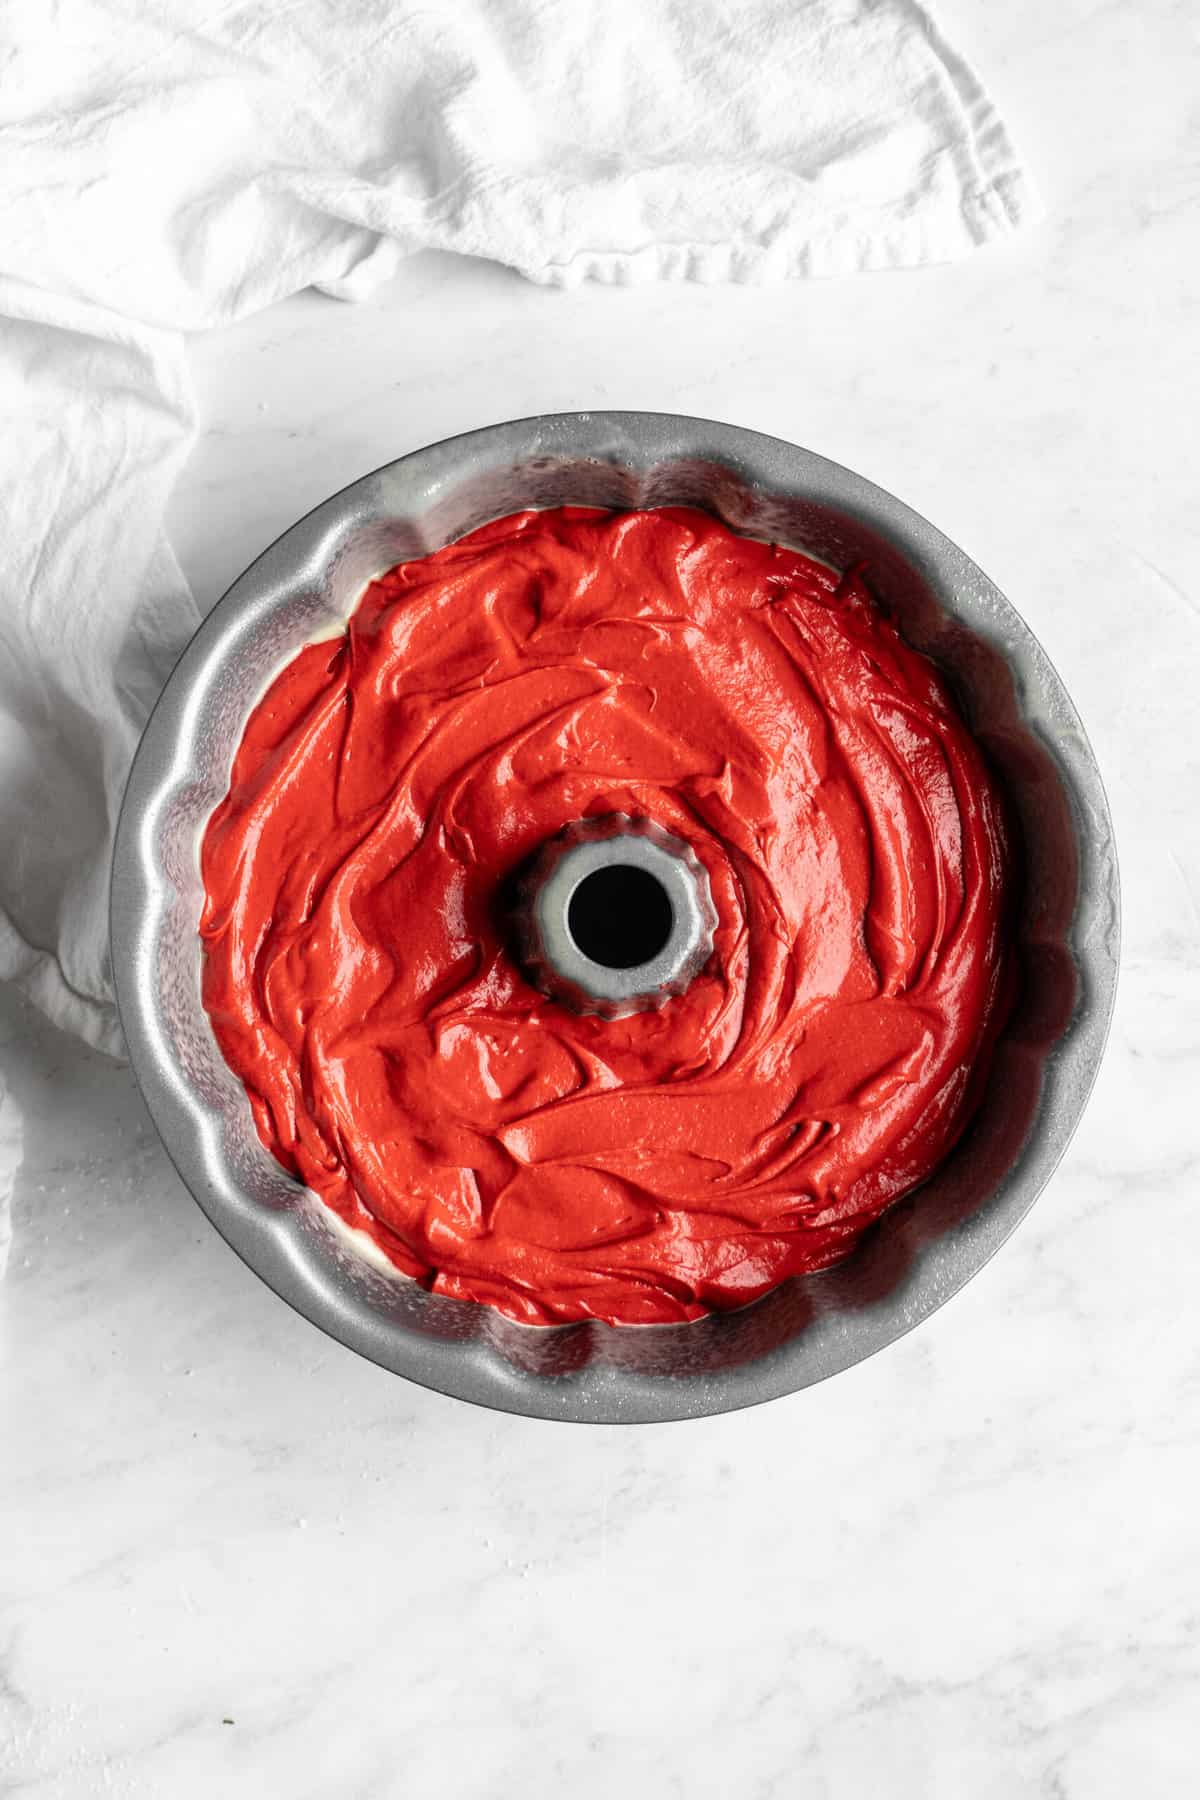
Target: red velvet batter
361 980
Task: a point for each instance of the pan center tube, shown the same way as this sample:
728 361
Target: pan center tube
615 916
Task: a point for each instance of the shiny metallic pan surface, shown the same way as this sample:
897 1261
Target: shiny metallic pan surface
926 1247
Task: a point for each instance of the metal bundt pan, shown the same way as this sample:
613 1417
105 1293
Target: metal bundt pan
926 1247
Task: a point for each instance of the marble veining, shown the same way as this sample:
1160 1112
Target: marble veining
239 1561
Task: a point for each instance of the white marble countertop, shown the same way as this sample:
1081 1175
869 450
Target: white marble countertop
238 1561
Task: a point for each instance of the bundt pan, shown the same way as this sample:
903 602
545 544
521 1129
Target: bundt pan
928 1245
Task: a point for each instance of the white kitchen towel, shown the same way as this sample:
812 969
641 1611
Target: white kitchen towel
172 166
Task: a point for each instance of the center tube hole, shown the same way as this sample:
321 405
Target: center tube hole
620 916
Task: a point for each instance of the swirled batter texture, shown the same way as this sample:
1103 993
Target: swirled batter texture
360 972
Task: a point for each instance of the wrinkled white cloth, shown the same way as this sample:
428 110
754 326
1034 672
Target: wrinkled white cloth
175 165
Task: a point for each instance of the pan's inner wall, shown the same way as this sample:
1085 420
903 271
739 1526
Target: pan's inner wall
280 622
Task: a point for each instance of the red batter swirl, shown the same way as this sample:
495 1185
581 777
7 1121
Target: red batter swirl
361 978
